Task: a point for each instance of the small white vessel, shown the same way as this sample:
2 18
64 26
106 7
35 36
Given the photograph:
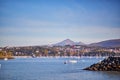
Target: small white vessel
5 59
73 61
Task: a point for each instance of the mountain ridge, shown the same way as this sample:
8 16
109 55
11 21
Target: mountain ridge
68 42
107 43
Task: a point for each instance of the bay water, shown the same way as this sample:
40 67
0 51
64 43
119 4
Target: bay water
47 68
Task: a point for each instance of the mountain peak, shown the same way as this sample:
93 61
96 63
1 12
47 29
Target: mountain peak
66 42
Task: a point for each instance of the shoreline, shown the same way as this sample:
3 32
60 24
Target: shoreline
3 57
61 57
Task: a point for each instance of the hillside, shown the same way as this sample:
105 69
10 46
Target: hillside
107 43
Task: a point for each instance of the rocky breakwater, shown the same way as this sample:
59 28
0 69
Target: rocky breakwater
108 64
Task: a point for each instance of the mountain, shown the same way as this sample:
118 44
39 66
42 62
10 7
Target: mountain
68 42
65 42
107 43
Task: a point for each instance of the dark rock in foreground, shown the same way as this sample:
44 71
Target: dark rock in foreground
108 64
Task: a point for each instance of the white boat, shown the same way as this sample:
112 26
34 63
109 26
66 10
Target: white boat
5 59
73 61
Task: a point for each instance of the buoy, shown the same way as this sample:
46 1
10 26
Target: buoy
5 59
65 62
0 66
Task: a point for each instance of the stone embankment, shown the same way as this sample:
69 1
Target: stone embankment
108 64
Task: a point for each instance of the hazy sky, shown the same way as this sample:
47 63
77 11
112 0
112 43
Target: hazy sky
38 22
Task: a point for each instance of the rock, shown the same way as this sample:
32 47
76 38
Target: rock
109 64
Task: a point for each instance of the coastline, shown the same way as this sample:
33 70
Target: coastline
8 57
61 57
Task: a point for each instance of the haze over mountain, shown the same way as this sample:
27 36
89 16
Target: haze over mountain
107 43
68 42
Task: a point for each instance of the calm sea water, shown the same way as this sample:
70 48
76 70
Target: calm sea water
53 69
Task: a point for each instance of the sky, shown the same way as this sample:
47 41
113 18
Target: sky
40 22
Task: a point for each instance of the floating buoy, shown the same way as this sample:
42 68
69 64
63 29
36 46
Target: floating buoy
5 59
0 66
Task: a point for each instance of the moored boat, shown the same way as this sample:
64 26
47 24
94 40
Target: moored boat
73 61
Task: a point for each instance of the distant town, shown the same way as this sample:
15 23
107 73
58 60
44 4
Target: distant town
58 50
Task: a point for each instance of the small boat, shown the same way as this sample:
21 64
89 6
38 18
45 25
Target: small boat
5 59
73 61
70 61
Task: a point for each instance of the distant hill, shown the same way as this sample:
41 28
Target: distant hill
68 42
107 43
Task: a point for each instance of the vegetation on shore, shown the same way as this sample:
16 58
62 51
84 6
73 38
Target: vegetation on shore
4 54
